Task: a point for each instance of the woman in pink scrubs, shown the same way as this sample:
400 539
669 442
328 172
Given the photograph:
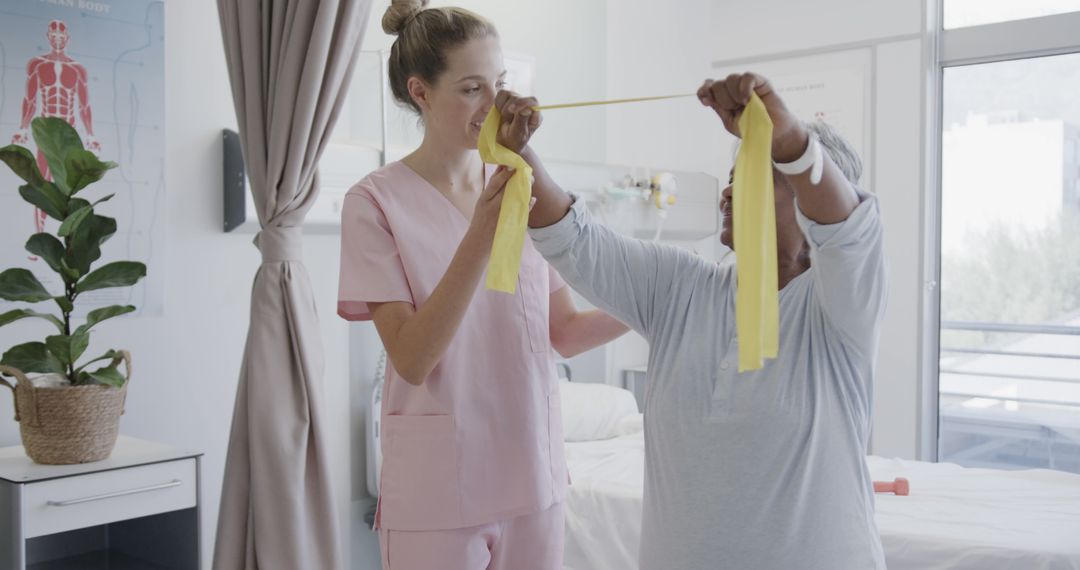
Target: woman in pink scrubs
473 472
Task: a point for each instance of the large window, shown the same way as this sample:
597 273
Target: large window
1009 331
963 13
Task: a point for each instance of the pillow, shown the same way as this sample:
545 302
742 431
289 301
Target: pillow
592 411
629 425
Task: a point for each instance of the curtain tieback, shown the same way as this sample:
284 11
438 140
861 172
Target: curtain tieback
280 244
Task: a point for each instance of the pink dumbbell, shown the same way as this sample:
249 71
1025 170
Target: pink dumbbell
898 487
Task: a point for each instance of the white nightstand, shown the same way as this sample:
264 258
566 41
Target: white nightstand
137 509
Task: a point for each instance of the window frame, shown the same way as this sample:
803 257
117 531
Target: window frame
988 43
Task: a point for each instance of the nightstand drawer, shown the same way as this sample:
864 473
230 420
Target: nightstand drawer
93 499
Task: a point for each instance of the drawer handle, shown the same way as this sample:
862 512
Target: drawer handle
173 483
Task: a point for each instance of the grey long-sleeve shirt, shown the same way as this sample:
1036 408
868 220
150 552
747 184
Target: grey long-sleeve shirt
763 469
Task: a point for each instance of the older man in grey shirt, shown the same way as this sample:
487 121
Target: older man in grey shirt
762 469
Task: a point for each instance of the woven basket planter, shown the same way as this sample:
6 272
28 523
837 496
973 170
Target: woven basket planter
70 424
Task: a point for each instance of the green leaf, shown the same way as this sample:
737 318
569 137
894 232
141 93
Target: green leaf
105 313
67 348
64 303
109 355
47 247
85 244
47 198
69 273
105 199
71 223
109 376
115 274
21 285
55 138
19 314
23 164
84 168
32 357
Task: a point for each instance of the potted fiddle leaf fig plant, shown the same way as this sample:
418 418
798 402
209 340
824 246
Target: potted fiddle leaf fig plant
70 413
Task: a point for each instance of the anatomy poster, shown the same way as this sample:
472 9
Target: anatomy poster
98 64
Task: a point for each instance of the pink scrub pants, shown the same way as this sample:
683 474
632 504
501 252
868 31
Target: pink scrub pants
527 542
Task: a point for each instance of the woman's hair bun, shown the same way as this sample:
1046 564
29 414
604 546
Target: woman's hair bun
400 13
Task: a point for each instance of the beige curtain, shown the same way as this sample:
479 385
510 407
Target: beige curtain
289 62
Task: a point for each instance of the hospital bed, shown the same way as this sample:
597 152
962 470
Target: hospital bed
954 518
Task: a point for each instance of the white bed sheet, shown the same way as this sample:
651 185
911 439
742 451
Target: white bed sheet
603 503
986 519
956 518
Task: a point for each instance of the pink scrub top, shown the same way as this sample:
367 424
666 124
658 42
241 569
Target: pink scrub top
481 439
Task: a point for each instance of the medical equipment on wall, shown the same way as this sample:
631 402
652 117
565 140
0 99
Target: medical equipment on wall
658 191
645 203
373 447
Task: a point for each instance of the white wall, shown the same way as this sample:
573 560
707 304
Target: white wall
744 30
898 155
186 362
653 50
566 38
661 50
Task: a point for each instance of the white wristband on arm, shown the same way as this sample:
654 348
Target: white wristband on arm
811 160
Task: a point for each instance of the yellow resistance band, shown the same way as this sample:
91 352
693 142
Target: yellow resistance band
757 304
611 102
757 312
505 261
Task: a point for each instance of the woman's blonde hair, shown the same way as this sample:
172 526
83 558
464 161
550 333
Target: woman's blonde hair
424 35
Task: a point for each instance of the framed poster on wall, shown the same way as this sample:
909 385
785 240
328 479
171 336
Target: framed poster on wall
835 87
99 65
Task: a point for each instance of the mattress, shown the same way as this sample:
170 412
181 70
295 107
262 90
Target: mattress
955 518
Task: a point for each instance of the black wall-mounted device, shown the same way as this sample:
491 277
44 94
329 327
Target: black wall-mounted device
233 179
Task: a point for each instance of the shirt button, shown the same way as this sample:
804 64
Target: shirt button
724 365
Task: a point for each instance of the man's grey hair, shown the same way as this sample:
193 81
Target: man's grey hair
833 144
839 150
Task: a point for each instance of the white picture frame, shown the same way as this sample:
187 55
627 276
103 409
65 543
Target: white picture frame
835 86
